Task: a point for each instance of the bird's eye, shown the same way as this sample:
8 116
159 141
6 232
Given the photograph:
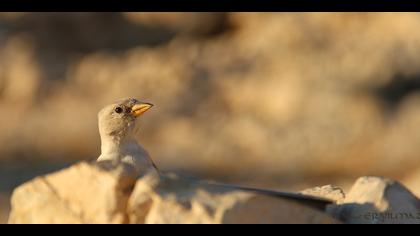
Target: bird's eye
118 110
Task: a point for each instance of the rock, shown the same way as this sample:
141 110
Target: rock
86 193
333 193
376 200
268 209
83 193
171 199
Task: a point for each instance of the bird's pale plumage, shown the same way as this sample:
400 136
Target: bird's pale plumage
118 126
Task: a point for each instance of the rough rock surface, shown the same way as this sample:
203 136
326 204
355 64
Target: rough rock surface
105 193
81 194
170 199
331 192
377 200
85 193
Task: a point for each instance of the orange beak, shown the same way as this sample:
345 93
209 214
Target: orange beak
140 108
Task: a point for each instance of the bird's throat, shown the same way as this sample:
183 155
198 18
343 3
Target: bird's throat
112 146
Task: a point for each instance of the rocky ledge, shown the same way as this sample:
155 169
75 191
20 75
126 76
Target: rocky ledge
90 193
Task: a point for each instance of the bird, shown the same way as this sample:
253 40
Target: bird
118 125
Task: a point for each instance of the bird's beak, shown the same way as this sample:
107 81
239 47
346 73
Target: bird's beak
140 108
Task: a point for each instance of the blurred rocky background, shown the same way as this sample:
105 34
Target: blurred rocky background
273 100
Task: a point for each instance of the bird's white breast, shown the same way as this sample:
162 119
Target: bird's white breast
130 153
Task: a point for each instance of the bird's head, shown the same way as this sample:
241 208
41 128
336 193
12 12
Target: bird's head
119 120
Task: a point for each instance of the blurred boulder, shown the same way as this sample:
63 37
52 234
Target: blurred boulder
376 200
72 32
20 74
194 24
85 193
